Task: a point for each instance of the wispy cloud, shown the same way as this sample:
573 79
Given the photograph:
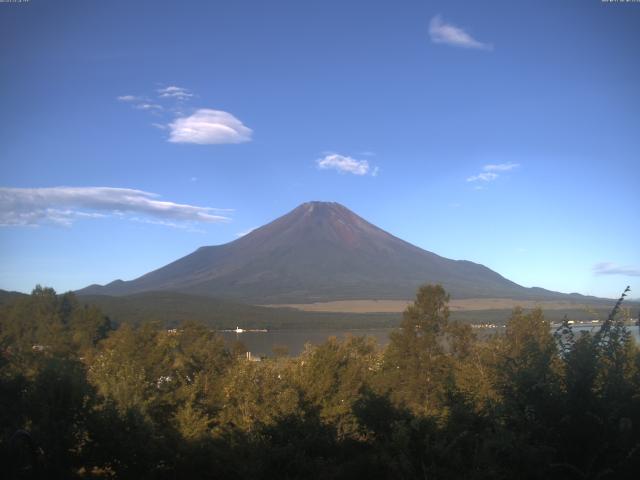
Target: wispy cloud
489 174
179 93
187 226
345 164
500 167
448 34
610 268
149 106
128 98
64 205
173 94
208 126
485 177
141 103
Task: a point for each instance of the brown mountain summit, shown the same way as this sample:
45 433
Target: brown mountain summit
320 251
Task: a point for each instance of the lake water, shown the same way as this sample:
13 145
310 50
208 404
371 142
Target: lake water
594 328
262 343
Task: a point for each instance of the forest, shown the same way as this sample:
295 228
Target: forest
81 397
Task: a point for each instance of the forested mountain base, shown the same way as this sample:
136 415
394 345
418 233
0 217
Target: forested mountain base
80 399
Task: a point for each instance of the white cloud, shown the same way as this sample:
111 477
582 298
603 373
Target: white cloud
442 32
149 106
344 164
500 167
63 205
488 174
177 93
205 126
141 103
164 223
610 268
485 177
208 126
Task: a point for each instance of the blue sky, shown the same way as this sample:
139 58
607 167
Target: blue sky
506 133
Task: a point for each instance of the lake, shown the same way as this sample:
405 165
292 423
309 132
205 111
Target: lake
262 343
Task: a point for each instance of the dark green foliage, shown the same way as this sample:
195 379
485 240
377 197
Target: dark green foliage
171 309
415 362
81 400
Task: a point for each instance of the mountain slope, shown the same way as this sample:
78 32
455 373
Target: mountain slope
317 252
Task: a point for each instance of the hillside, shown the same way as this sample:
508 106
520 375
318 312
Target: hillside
320 252
7 297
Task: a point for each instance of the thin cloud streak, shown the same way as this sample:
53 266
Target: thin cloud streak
149 106
500 167
610 268
489 171
164 223
179 93
485 177
448 34
64 205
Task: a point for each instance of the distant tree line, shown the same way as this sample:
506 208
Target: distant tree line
82 399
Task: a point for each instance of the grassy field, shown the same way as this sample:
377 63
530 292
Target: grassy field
171 309
464 305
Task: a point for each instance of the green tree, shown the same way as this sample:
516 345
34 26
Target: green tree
417 369
258 394
527 373
333 375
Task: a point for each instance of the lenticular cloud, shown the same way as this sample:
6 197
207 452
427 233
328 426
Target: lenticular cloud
207 127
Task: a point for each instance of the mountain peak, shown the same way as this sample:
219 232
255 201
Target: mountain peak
311 225
319 251
319 204
321 207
